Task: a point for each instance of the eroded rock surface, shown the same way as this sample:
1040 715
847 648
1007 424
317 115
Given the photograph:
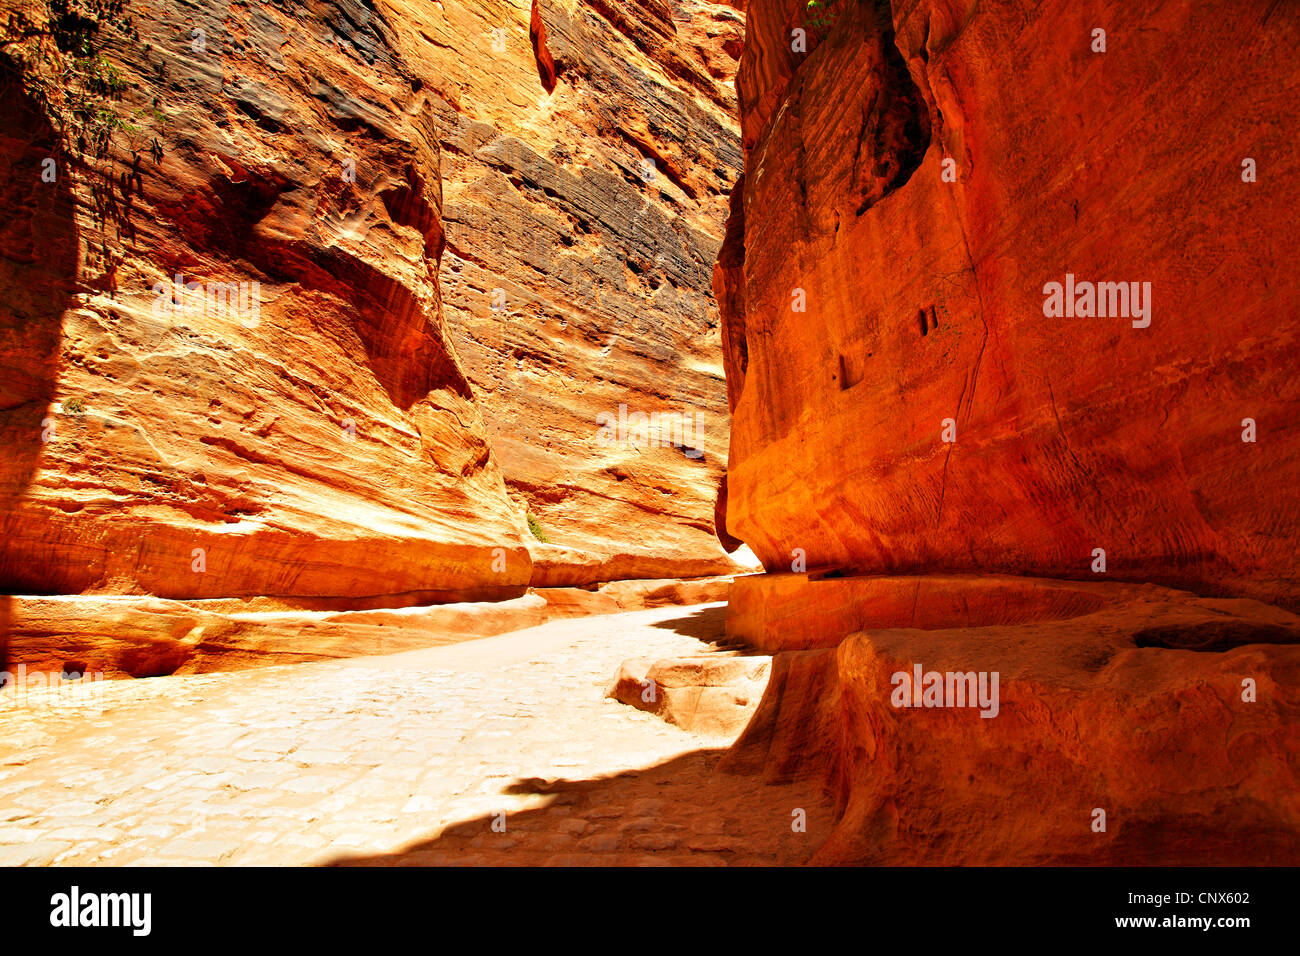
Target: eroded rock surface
587 166
126 636
904 404
925 297
707 694
1186 746
254 391
262 361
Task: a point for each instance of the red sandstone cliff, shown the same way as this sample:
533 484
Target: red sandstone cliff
873 306
925 297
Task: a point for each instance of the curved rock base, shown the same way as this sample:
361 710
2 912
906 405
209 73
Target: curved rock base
1185 756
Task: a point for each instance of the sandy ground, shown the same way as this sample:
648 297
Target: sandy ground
498 751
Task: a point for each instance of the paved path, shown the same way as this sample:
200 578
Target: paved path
415 758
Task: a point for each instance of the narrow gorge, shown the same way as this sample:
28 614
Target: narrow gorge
346 299
607 432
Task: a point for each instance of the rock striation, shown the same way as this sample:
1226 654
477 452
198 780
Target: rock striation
914 182
254 392
1010 344
251 350
586 181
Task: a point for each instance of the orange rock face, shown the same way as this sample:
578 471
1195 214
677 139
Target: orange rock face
252 390
1173 716
588 150
263 360
914 183
940 411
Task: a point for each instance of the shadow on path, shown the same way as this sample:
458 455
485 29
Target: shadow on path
681 812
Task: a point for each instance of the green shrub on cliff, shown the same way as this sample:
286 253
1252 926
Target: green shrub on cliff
820 14
56 49
59 48
536 528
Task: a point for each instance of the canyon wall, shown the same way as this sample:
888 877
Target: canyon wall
251 349
926 437
913 182
588 151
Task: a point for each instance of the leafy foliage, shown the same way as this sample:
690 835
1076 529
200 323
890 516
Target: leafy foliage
820 14
57 49
66 72
535 527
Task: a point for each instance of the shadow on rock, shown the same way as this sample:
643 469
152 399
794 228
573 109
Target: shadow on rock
708 624
38 273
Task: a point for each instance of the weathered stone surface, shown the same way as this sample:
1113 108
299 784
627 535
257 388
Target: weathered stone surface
1098 712
704 694
925 298
344 433
125 636
925 301
318 439
587 159
636 594
776 612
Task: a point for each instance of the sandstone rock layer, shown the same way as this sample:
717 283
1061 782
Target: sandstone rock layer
252 350
958 470
588 150
1102 712
925 297
123 636
252 390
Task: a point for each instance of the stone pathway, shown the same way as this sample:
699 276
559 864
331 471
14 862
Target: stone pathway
499 751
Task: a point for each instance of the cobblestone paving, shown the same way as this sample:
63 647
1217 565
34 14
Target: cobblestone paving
497 751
